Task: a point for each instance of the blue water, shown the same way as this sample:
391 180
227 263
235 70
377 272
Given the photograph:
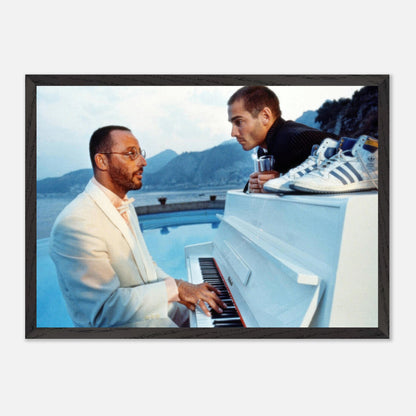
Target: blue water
166 236
51 309
49 206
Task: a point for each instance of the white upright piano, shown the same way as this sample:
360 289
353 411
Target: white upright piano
292 261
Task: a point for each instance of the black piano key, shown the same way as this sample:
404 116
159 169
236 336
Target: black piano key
210 274
223 324
225 314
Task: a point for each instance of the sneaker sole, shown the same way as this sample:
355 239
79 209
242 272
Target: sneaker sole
279 190
352 187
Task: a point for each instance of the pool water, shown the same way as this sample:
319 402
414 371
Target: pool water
166 236
51 310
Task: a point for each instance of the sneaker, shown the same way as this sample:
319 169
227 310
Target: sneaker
353 168
319 154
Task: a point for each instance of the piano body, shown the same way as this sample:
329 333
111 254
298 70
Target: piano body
292 261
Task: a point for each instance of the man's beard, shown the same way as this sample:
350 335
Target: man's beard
124 179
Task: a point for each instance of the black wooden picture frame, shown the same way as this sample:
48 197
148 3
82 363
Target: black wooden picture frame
381 81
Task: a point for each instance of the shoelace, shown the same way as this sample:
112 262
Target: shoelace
305 164
328 163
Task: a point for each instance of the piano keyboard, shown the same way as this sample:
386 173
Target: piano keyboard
230 317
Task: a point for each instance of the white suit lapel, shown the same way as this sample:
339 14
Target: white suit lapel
151 272
140 254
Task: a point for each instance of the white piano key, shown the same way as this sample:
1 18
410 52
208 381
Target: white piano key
198 318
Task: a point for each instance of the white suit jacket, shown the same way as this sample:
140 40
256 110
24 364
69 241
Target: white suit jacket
106 274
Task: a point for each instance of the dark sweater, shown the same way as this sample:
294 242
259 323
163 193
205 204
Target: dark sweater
291 143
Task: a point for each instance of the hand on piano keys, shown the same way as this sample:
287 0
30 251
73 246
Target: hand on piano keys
205 270
203 295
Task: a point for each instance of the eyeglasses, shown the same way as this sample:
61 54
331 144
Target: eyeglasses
132 154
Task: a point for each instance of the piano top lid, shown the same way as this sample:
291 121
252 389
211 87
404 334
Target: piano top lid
304 198
310 227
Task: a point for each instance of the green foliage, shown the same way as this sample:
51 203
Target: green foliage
351 117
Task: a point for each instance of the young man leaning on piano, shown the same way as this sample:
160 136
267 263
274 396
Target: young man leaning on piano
256 118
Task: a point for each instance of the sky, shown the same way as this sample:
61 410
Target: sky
181 118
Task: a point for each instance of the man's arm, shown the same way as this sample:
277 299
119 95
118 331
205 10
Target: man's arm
92 288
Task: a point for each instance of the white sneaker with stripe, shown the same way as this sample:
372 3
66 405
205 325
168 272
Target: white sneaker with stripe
353 168
319 154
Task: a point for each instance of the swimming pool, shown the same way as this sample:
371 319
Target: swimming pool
166 235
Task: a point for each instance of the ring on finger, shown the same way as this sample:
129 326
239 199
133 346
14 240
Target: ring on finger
197 304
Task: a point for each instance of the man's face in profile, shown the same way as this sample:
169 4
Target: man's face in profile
249 131
125 173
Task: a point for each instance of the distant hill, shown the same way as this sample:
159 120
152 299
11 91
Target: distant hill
72 182
226 164
157 162
308 118
75 182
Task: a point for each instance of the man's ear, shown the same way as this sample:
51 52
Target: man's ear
101 161
266 116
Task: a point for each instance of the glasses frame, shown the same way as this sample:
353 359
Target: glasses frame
140 152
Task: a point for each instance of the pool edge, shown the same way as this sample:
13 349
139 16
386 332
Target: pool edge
180 206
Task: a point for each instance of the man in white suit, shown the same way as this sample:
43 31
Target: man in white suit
105 271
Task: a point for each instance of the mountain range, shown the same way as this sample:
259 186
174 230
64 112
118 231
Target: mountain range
228 164
157 162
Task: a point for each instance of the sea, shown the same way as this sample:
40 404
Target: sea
48 206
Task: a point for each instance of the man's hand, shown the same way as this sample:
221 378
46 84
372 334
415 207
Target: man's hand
258 179
199 295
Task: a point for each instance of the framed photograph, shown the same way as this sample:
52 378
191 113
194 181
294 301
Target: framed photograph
305 257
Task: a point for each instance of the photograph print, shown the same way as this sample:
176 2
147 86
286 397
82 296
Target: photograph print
207 206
